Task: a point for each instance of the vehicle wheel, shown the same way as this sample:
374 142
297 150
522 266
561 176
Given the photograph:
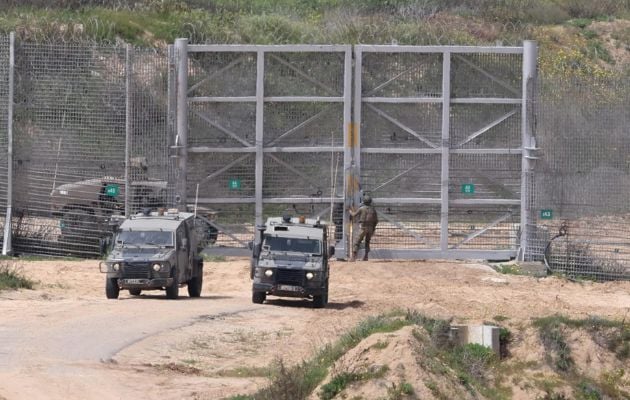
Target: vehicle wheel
135 292
172 292
195 283
111 288
258 297
322 300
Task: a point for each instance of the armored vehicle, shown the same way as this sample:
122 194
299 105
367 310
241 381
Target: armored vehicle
290 259
157 251
82 206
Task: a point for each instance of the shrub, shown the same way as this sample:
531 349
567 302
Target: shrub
12 278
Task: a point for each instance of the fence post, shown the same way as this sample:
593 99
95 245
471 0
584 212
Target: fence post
181 52
530 54
260 107
344 246
446 126
6 243
128 73
353 146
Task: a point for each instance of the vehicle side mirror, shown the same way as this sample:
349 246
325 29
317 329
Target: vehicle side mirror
184 244
331 251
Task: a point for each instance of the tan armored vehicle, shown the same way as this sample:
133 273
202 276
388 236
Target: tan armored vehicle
92 201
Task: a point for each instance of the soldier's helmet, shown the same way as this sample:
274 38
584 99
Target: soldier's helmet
367 200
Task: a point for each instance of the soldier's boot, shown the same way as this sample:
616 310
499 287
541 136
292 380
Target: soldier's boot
365 257
353 258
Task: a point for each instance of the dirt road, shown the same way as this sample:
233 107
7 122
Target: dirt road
64 340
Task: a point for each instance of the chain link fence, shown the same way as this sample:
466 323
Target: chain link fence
582 177
88 119
94 137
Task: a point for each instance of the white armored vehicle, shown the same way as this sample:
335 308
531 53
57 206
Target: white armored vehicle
290 259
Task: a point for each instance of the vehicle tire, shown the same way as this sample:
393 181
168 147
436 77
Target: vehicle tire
196 282
258 297
172 292
111 288
322 300
135 292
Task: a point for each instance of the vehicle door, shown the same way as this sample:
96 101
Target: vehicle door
183 246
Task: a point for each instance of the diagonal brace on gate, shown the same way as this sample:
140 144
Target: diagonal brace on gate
303 74
301 125
402 126
397 176
216 73
487 128
224 169
403 228
483 230
307 178
222 129
488 75
386 83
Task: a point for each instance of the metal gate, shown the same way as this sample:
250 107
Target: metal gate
440 139
260 131
443 148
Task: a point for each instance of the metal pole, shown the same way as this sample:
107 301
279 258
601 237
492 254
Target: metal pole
446 125
353 149
260 107
530 55
6 243
181 51
128 73
342 250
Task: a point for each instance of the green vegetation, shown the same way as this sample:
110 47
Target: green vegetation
12 278
339 382
612 335
459 369
412 22
298 382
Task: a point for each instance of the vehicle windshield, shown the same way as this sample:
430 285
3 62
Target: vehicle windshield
145 238
275 243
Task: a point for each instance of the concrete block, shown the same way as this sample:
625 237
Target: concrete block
485 335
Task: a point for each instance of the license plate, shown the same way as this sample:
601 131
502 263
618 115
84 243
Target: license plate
289 288
135 281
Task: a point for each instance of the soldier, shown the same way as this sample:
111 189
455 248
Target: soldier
368 219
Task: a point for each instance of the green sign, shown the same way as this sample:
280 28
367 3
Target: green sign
546 214
112 190
468 188
234 184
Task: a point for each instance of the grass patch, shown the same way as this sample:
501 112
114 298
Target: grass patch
298 382
13 278
552 334
340 381
213 258
509 269
244 372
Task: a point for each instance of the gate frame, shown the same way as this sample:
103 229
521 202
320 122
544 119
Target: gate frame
352 138
529 62
182 49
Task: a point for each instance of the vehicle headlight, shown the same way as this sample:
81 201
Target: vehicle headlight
310 275
157 267
268 273
116 267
